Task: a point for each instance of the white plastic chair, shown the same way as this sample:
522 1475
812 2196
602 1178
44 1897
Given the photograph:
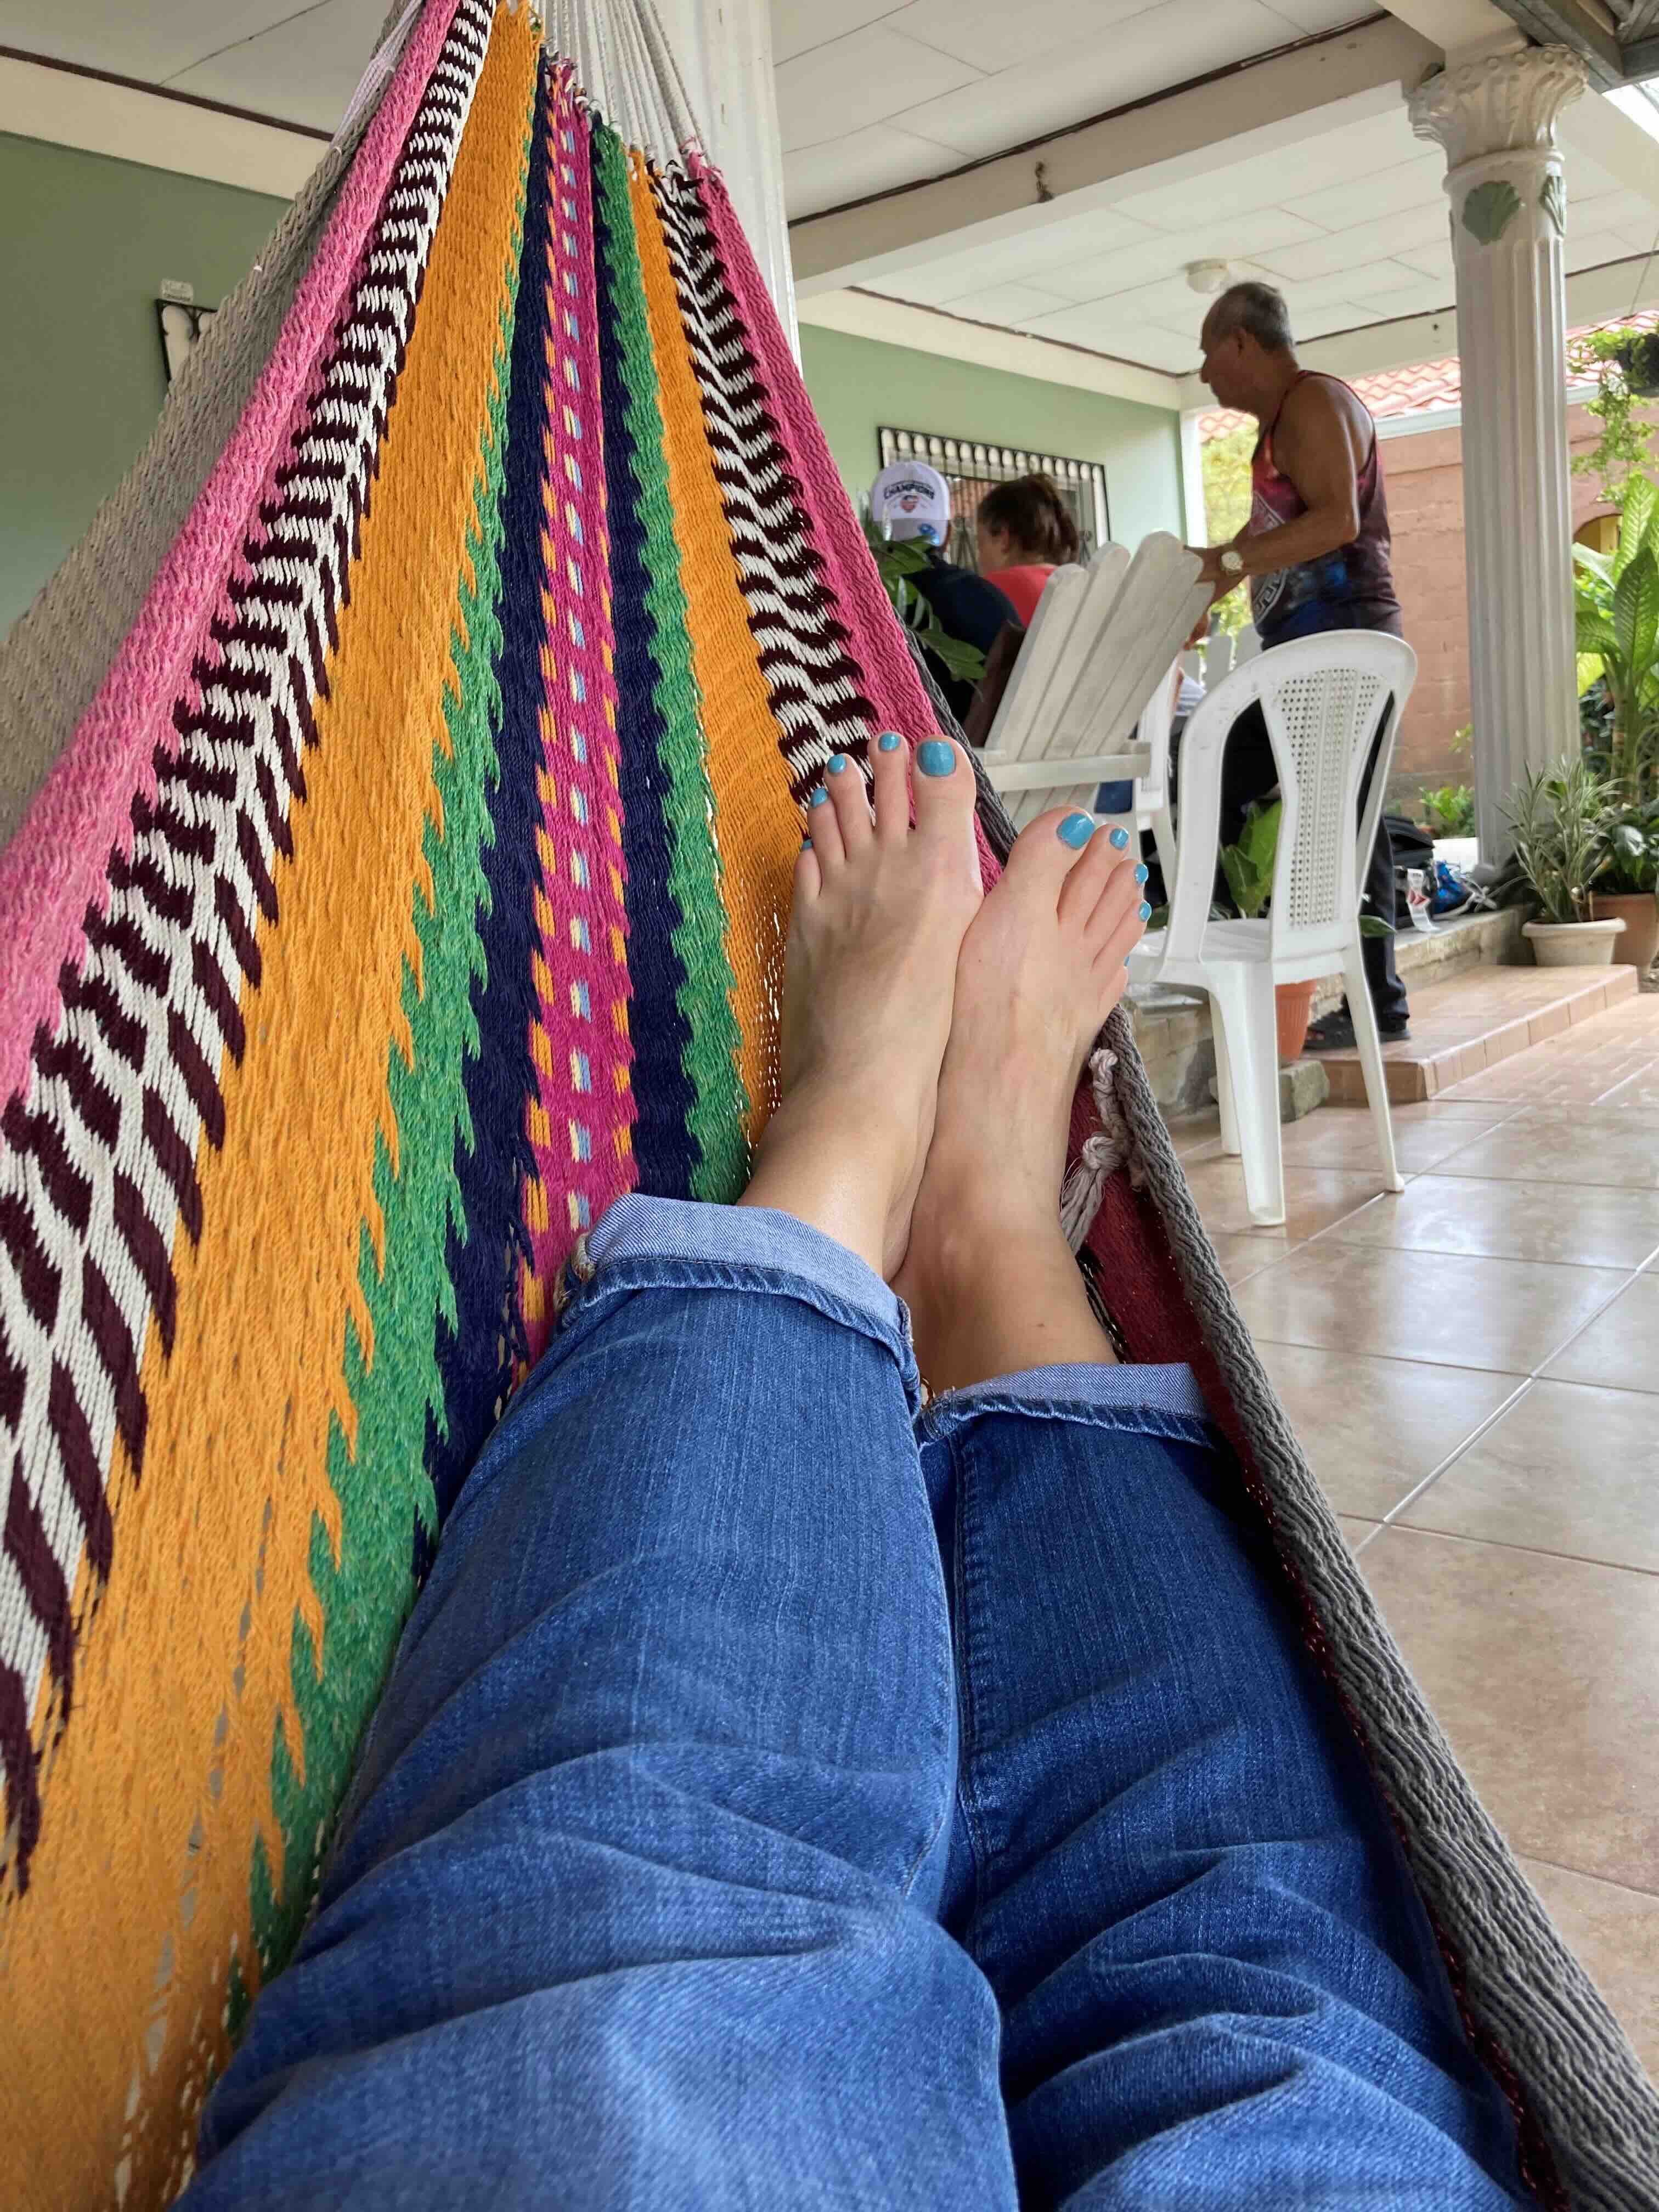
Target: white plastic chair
1099 644
1322 698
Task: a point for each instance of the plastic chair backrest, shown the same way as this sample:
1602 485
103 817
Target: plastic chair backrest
1322 699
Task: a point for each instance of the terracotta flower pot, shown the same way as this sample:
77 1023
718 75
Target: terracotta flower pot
1293 1004
1639 912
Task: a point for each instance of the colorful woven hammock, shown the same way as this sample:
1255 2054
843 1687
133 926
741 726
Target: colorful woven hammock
429 719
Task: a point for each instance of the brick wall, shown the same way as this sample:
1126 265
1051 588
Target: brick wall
1424 472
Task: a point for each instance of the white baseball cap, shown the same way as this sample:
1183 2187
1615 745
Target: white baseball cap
910 500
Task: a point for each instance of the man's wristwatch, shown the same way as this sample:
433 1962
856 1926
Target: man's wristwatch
1231 562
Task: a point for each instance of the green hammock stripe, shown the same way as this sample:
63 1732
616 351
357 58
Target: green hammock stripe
719 1103
386 1492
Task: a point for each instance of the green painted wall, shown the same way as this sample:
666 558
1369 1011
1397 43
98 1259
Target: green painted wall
857 384
84 245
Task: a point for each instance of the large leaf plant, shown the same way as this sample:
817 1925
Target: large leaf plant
1616 598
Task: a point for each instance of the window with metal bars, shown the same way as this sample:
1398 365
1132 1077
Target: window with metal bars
971 468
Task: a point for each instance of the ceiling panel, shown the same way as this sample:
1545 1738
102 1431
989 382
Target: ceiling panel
1128 59
1089 276
993 36
1363 242
837 89
1304 15
148 42
1264 181
1015 305
1419 182
799 25
305 70
1046 256
870 160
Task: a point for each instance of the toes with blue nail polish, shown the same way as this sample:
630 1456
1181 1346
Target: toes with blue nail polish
1146 911
820 797
1076 830
1141 872
935 757
1120 838
889 742
837 763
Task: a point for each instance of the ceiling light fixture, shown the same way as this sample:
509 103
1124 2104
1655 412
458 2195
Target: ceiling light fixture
1208 276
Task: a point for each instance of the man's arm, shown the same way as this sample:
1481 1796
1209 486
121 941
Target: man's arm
1318 447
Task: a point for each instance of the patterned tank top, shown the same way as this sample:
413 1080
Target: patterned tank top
1352 588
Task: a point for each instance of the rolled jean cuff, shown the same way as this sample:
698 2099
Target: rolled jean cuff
1156 1400
666 1244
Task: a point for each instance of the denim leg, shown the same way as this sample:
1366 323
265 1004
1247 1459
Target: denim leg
1219 1986
634 1902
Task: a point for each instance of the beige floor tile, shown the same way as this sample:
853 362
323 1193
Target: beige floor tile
1567 1148
1372 1429
1357 1531
1545 1674
1314 1198
1196 1136
1342 1136
1241 1257
1615 1935
1567 1469
1590 1225
1440 1306
1621 1347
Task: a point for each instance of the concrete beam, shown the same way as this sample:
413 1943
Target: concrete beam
129 122
930 330
1263 107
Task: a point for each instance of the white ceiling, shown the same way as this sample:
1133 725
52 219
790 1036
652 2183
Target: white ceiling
872 95
298 63
1352 227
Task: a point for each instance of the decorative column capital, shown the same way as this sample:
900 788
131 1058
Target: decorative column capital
1504 104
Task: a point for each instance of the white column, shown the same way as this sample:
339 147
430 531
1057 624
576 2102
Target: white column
723 52
1196 522
1496 117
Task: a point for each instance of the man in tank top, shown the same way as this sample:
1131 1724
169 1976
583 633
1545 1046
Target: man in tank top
1316 554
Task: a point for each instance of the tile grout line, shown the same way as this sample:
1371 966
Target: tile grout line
1537 1375
1560 1866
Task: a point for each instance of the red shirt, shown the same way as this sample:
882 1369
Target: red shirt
1022 587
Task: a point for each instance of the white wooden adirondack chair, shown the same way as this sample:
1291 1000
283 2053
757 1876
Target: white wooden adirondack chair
1102 639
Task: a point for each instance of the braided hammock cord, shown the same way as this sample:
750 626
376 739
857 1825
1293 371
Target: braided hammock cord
406 878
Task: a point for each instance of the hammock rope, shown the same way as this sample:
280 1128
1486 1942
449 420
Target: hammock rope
418 752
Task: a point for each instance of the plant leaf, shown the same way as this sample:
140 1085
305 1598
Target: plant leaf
1641 502
1372 925
1635 612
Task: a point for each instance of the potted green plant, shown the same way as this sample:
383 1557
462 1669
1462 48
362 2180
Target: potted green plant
1556 820
1627 889
898 559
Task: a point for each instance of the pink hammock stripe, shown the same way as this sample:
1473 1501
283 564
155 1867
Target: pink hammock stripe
58 863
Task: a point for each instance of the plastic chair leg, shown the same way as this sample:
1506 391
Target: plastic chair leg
1242 994
1163 838
1371 1062
1224 1081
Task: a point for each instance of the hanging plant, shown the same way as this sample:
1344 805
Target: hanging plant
1620 455
1639 357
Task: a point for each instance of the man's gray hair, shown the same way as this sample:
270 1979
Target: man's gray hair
1257 308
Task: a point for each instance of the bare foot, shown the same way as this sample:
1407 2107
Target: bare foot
879 914
991 1286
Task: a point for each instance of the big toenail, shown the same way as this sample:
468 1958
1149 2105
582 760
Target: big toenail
935 757
1141 872
838 762
889 742
1120 838
1146 911
820 797
1076 830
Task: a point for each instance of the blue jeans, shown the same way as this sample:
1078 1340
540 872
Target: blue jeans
787 1796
